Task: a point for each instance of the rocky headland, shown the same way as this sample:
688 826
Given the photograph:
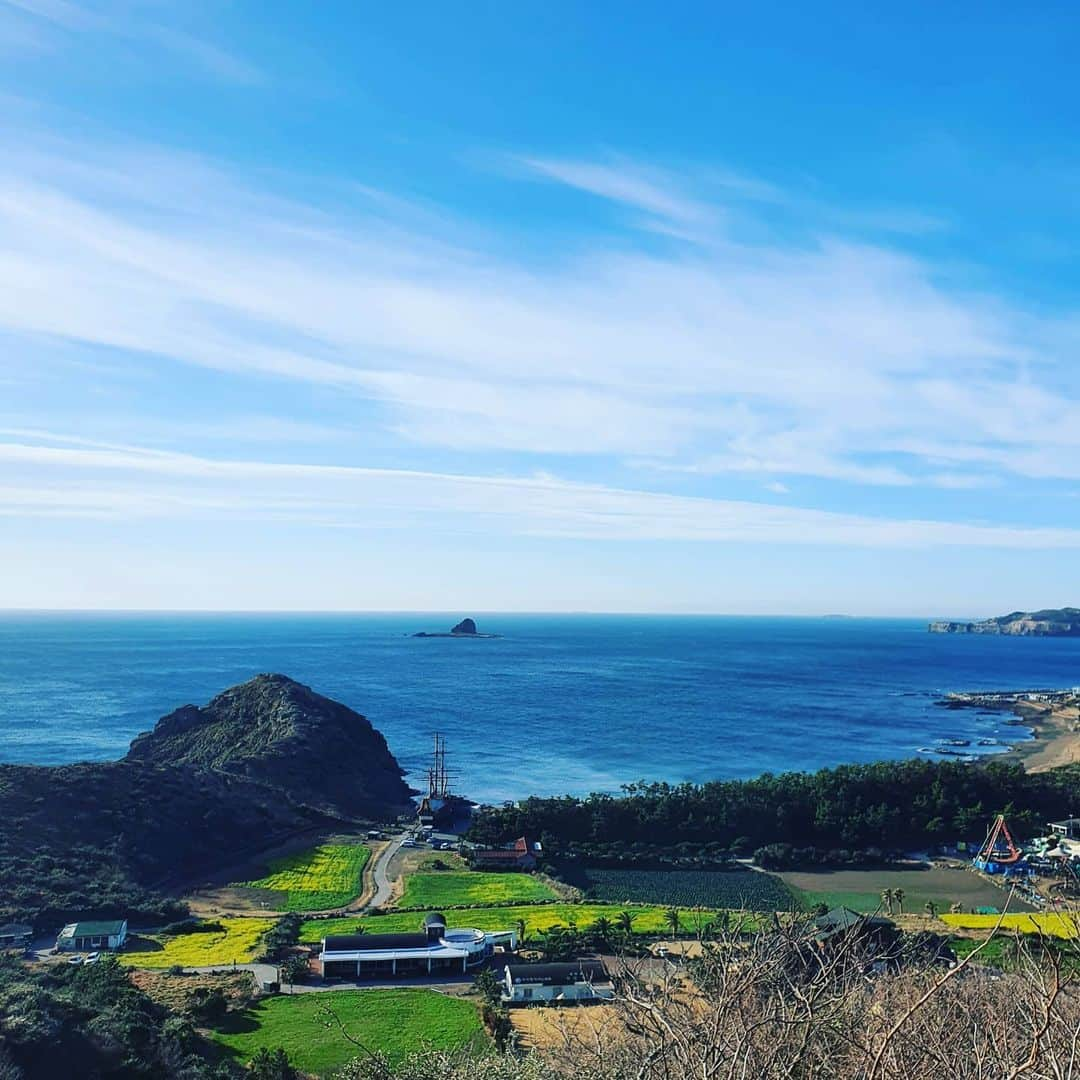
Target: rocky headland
1051 622
261 762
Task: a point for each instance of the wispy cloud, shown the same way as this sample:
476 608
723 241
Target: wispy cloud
841 359
137 482
28 20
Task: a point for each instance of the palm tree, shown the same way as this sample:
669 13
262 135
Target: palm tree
519 926
930 908
887 897
898 896
602 929
625 922
671 917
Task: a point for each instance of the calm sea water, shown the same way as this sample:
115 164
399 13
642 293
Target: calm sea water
557 704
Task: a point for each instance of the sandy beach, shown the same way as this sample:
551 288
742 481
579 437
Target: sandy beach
1057 736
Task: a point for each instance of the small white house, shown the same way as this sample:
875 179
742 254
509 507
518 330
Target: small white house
92 936
581 981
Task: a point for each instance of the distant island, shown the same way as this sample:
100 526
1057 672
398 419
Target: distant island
1051 622
466 629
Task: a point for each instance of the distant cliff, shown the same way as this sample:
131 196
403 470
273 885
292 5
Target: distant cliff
1052 622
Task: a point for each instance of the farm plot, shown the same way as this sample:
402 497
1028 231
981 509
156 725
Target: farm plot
391 1022
327 876
647 919
210 944
1052 924
743 889
456 888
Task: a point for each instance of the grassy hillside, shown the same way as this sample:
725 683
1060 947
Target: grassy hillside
391 1022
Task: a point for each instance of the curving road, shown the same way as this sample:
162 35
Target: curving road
379 867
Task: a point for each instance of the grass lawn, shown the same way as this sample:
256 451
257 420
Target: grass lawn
238 939
647 919
393 1022
327 876
861 889
451 888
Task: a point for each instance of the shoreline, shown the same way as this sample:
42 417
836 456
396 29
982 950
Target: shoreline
1057 736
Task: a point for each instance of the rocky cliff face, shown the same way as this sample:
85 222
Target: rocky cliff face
1057 622
277 731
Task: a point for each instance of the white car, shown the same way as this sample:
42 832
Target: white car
74 959
92 958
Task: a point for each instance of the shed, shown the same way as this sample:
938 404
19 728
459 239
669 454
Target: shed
15 935
88 935
580 981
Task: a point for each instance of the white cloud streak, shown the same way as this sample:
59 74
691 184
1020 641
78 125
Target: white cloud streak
133 482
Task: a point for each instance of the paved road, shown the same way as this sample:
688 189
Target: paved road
383 888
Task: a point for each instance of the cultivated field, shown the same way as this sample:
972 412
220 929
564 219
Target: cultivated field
323 877
1052 924
648 919
744 889
861 889
232 939
453 888
392 1022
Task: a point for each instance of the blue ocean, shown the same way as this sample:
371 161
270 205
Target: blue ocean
554 704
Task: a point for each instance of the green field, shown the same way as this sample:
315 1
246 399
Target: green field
238 939
327 876
861 889
744 889
452 888
648 919
391 1022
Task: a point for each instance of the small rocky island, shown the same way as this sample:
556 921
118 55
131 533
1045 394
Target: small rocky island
464 629
1051 622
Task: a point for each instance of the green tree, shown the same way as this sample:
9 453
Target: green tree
489 987
625 922
294 969
602 929
887 898
898 896
271 1065
520 927
930 908
671 917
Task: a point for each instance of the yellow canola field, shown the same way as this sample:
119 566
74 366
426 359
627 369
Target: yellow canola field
1052 924
237 940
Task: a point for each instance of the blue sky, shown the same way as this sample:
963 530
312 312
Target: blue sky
542 307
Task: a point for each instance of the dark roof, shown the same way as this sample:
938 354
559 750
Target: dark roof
843 918
354 942
99 929
559 974
435 919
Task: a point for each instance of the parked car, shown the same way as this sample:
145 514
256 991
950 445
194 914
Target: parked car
92 958
74 959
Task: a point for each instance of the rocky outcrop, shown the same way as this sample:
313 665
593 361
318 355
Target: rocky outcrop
260 763
1056 622
466 629
279 732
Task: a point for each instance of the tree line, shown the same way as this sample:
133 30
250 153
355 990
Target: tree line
868 810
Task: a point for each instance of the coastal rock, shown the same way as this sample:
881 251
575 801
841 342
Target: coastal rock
1054 622
466 628
280 732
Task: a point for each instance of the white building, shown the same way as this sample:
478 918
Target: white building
435 950
582 981
91 936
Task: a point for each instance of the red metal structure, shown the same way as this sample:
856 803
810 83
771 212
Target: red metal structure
999 848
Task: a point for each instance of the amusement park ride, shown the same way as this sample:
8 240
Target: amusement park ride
999 854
